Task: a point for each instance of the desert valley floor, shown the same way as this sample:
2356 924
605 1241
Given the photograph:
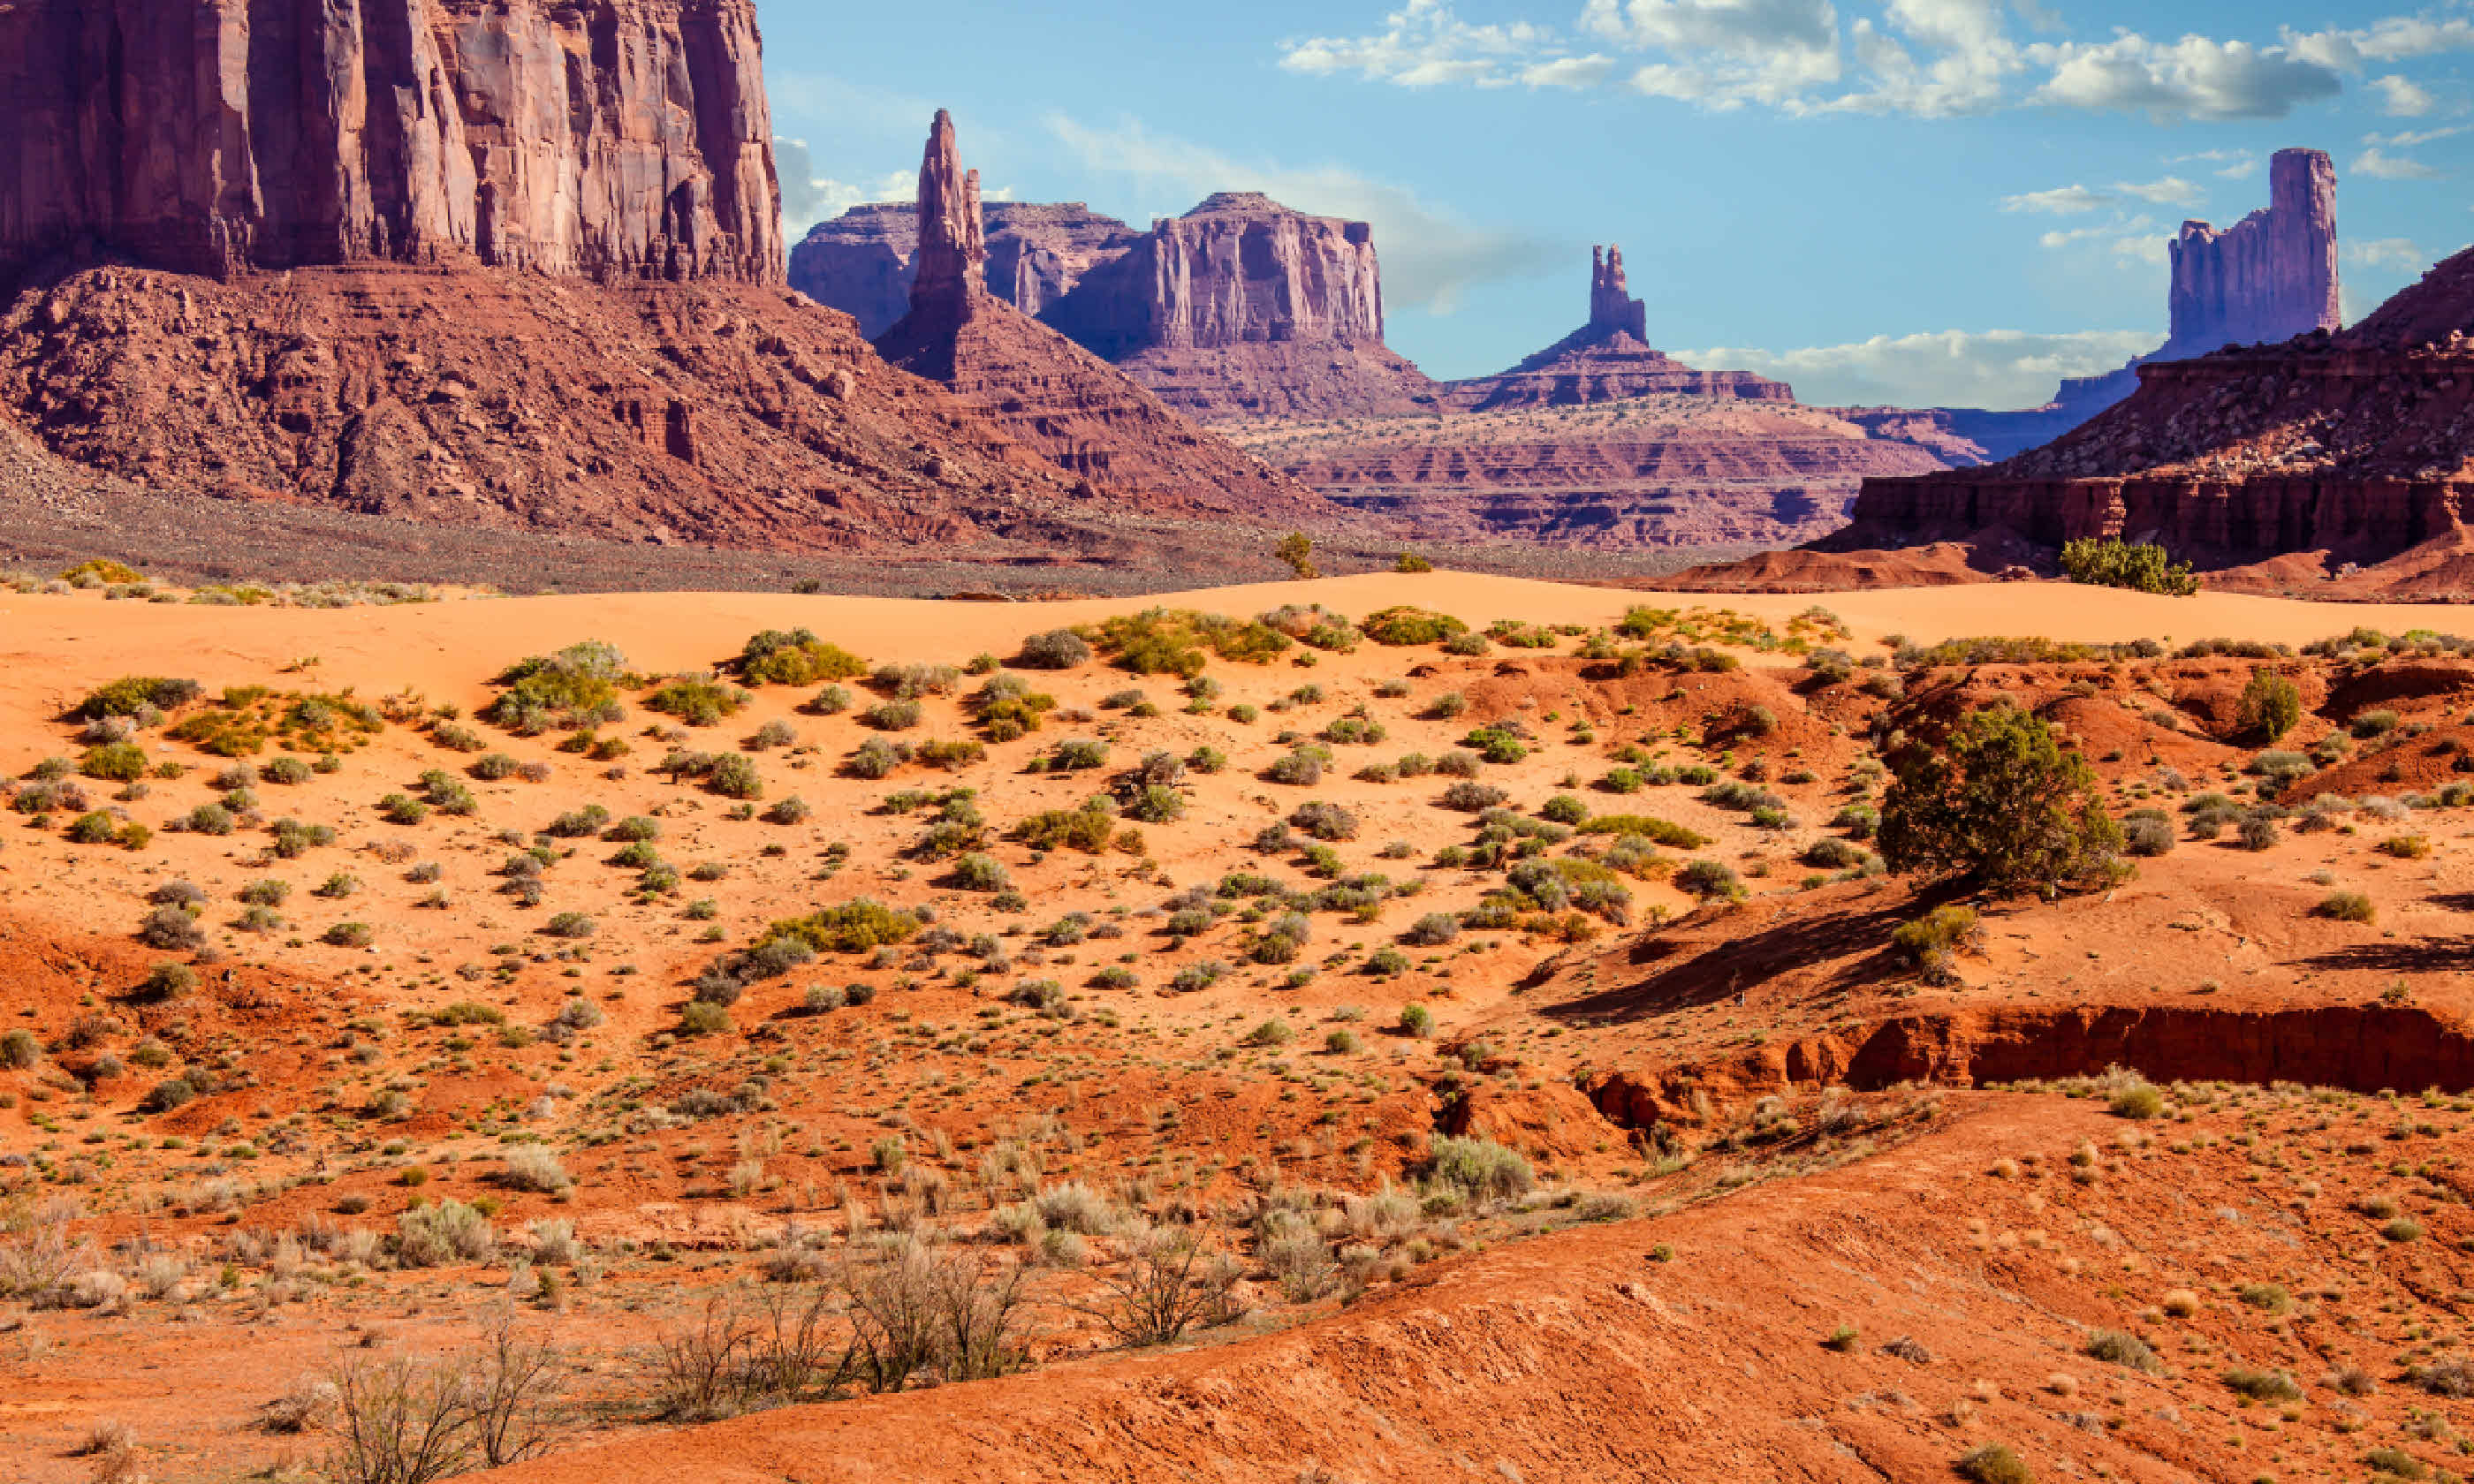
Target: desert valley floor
1271 1033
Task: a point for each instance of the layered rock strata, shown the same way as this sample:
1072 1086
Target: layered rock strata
1239 310
625 138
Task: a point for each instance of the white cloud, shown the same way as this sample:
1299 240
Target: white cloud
2393 39
2380 165
1421 44
2061 201
1571 71
1927 58
2191 77
809 198
2414 138
2172 191
2076 199
2402 98
1944 369
2395 252
1430 257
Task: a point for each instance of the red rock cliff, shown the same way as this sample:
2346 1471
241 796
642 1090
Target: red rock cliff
1238 270
2270 277
626 137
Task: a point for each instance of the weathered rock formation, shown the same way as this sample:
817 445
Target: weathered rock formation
1607 360
2269 277
530 282
625 138
1245 309
1081 413
2354 448
711 413
1240 309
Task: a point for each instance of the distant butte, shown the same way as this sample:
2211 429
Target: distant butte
1607 360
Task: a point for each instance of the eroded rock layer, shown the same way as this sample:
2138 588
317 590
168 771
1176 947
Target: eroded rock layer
628 138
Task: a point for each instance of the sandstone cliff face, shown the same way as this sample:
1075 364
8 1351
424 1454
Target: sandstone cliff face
2271 276
1243 309
625 138
1240 269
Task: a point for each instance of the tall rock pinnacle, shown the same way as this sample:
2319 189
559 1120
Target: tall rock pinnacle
952 265
2271 276
1612 307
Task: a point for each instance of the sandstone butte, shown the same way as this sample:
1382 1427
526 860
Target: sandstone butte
413 280
1239 310
1042 389
2269 277
1608 359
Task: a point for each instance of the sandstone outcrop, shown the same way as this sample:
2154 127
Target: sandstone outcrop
1242 309
1081 413
2269 277
626 138
1607 360
2353 448
1245 309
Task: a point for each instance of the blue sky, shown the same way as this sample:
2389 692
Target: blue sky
1905 201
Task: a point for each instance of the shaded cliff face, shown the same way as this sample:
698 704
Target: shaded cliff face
2271 276
861 261
630 137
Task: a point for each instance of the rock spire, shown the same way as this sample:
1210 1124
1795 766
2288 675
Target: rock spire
1613 309
951 274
